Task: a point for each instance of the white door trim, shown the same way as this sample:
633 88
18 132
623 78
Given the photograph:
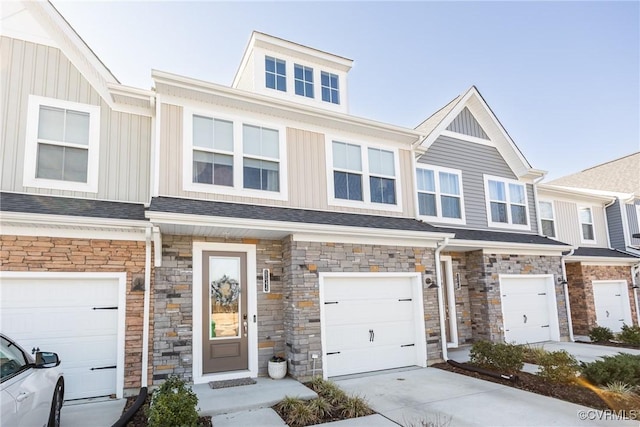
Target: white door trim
122 307
554 324
451 302
418 294
252 307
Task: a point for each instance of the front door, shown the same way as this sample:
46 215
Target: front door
224 308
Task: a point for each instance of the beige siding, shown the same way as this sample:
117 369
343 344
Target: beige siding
568 225
125 139
306 170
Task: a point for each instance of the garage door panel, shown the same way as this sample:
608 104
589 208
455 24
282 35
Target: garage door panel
361 360
611 300
368 311
355 289
58 315
355 336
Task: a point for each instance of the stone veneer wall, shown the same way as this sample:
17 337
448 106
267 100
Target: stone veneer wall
173 341
463 304
484 289
303 261
580 278
56 254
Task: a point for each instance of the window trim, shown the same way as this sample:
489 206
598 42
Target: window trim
366 203
238 157
439 218
275 73
330 88
304 80
29 178
553 213
580 223
509 224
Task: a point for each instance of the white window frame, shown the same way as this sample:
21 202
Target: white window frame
29 178
304 80
509 224
337 89
580 223
553 213
275 73
238 158
366 203
438 193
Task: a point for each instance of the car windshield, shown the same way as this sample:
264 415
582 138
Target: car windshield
12 359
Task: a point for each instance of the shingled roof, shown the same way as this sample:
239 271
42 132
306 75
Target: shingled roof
67 206
603 253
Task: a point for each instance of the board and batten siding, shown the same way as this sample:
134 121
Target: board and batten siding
634 226
474 161
306 170
125 139
616 229
466 124
568 224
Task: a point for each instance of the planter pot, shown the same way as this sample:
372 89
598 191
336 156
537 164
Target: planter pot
277 370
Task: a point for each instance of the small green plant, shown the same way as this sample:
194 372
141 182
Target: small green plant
619 388
321 407
630 334
288 403
622 367
600 334
533 354
353 407
173 404
301 414
558 367
501 357
329 390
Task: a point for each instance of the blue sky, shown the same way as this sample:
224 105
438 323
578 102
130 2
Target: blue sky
562 77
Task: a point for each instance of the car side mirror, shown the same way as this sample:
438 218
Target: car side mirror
47 359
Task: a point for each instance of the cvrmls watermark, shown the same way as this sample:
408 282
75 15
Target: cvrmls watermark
608 415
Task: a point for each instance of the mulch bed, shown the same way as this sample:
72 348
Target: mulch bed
612 344
140 419
533 383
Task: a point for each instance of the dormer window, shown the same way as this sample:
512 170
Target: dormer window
330 89
303 77
275 73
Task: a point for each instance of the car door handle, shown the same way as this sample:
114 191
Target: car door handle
22 396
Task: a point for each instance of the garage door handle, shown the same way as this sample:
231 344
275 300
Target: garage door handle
372 335
104 367
544 326
405 299
525 318
333 352
330 302
407 345
104 308
607 313
542 293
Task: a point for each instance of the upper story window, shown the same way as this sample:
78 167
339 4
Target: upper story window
303 79
547 218
330 89
363 174
61 150
440 193
261 165
275 73
585 216
228 156
506 203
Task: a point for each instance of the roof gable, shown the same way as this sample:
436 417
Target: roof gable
453 116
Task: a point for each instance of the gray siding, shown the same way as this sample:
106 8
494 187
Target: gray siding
475 161
614 223
634 227
125 139
466 124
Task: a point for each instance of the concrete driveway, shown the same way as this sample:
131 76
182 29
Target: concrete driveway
421 396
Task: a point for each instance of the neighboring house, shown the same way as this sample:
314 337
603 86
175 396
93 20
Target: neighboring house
224 225
600 278
75 177
598 210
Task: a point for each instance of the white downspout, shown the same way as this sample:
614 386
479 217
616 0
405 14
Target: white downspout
566 294
144 380
443 334
606 222
635 289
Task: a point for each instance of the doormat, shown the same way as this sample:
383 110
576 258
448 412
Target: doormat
231 383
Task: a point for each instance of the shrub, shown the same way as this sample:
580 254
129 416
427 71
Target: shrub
558 367
502 357
619 388
301 414
622 367
173 404
533 354
630 334
600 334
354 407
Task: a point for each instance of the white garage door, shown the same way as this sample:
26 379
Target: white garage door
372 323
529 309
74 317
611 300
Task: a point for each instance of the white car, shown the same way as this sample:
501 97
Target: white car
31 390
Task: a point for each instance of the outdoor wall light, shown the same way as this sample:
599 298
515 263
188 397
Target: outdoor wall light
266 280
635 287
562 281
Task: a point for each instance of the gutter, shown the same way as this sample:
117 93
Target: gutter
144 379
565 285
635 269
443 335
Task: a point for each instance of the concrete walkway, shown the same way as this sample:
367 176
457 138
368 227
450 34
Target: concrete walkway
429 395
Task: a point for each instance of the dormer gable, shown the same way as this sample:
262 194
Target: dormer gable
469 118
290 71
